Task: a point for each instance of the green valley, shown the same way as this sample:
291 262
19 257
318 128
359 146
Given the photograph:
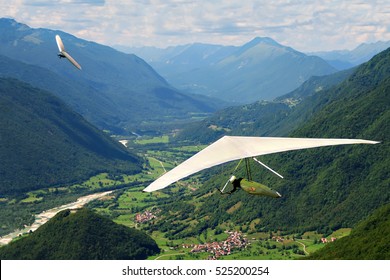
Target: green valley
51 156
173 218
175 208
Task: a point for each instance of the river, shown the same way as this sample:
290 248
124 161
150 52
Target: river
43 217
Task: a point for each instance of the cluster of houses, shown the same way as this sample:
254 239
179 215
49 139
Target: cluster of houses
146 216
278 239
222 248
324 240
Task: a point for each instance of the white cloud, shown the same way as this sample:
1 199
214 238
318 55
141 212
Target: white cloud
302 24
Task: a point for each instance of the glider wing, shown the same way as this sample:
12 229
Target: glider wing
71 59
60 45
61 48
230 148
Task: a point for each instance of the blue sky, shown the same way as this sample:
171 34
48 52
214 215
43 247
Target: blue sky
305 25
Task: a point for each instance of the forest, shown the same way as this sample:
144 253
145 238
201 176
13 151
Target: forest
43 143
83 235
369 240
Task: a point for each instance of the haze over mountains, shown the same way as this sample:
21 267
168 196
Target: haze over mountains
343 59
262 69
114 90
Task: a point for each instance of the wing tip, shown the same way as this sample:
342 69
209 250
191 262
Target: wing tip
72 60
60 45
370 142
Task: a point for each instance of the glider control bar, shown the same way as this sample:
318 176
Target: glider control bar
270 169
231 179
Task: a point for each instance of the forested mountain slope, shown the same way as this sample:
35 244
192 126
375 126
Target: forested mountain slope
324 188
275 118
369 240
44 143
83 235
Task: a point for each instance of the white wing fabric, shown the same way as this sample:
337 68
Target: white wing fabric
230 148
60 45
71 60
61 48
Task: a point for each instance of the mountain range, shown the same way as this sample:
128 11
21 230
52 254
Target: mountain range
265 118
115 91
44 142
261 69
343 59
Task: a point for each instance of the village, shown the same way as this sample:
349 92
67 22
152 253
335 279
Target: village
235 241
146 216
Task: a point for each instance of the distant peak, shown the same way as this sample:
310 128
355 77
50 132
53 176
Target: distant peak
260 40
266 40
256 41
8 20
12 22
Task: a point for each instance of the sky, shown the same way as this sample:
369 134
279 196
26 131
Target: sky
305 25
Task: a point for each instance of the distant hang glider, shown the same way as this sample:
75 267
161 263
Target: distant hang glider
64 54
230 148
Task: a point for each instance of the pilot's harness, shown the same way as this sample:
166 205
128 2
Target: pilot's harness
248 173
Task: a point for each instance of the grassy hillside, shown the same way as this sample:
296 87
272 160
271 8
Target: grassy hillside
83 235
369 240
44 143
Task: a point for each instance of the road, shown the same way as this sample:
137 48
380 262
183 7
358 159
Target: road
167 255
304 247
162 165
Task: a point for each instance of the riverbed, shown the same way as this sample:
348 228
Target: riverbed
45 216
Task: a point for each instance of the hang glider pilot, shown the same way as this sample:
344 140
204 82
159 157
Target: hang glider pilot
64 54
250 187
236 185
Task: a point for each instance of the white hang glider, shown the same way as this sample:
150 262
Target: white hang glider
230 148
64 54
